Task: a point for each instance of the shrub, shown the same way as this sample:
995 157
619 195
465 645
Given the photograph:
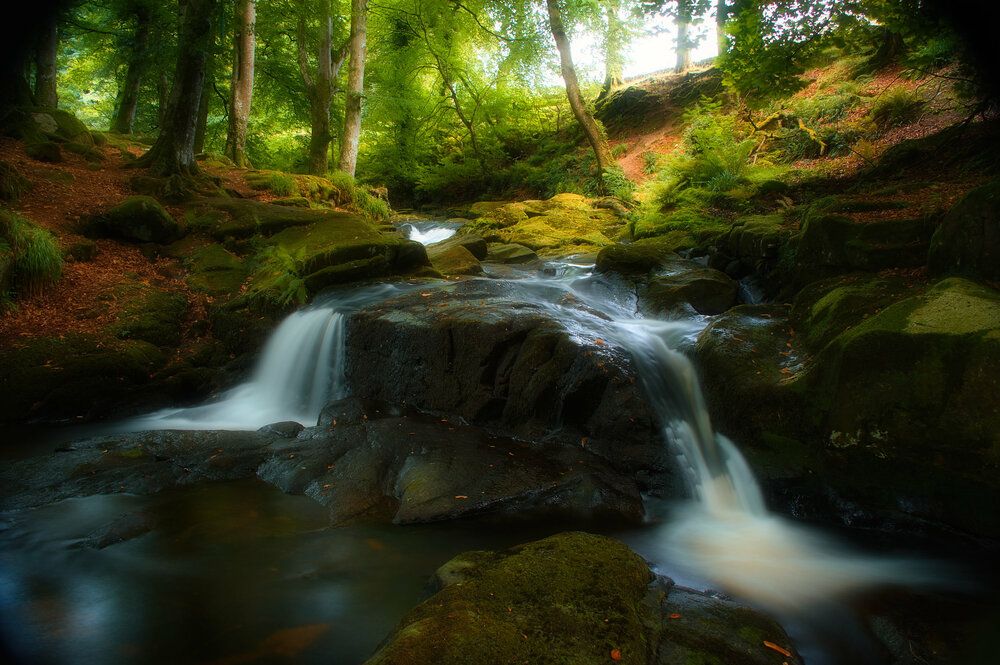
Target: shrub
36 261
371 207
12 183
617 184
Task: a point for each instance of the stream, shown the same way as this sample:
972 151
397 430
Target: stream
239 572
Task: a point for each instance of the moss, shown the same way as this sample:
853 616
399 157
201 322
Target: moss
82 250
138 219
639 257
88 152
44 151
34 260
454 260
968 240
150 315
224 218
292 201
571 598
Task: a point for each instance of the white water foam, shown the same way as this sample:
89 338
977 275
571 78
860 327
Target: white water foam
428 233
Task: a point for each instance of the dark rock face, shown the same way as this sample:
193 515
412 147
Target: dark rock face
472 351
688 288
573 598
137 219
968 241
372 461
475 244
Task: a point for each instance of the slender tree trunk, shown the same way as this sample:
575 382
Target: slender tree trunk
45 65
614 43
355 87
173 152
124 118
241 84
201 127
163 97
590 128
721 19
683 38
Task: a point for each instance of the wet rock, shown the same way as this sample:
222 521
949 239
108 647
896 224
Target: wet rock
453 259
510 253
138 463
287 429
688 287
137 219
372 461
125 528
470 241
476 350
638 258
572 598
968 240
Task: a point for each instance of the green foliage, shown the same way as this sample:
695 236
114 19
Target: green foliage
12 183
281 184
36 261
897 106
279 280
617 184
371 207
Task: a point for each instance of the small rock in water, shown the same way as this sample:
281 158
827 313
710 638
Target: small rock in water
287 429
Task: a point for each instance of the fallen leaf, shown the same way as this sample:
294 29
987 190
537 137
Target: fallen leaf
616 654
675 615
461 496
774 647
599 342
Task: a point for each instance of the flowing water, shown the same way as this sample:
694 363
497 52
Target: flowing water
429 232
290 571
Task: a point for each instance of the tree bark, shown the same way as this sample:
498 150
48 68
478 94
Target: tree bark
241 83
201 127
319 89
590 128
173 151
123 121
355 87
683 42
45 64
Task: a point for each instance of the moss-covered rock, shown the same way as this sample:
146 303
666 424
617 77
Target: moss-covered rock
637 258
568 599
825 309
703 290
215 271
454 259
968 240
152 315
223 218
510 253
475 244
136 219
81 250
44 151
837 244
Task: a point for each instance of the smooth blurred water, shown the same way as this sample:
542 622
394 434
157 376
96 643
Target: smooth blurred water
429 232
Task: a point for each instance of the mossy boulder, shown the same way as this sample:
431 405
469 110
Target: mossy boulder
693 287
137 219
215 271
968 240
150 314
825 309
44 151
568 599
453 259
510 253
833 244
475 244
62 124
81 250
228 218
638 258
565 224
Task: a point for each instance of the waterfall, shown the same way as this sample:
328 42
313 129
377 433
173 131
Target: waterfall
428 233
300 370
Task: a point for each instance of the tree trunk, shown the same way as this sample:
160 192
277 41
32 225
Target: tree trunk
590 128
45 64
124 118
683 41
241 84
614 43
355 87
201 127
162 97
173 152
319 89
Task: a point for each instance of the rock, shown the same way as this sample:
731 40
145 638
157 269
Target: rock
82 250
137 219
470 241
372 461
571 598
292 201
510 253
63 124
691 287
637 258
288 429
453 259
151 315
833 244
465 350
44 151
483 207
214 270
563 225
125 528
968 240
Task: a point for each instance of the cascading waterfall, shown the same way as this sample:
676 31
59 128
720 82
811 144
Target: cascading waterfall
428 233
301 369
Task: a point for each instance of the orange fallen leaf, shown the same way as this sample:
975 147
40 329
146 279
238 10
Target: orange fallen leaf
599 342
774 647
675 615
461 496
616 654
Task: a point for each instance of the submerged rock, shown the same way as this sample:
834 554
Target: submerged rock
573 598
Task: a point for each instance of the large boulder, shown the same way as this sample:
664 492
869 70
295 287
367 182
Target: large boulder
453 259
136 219
573 598
510 253
477 349
638 258
374 461
688 288
968 240
475 244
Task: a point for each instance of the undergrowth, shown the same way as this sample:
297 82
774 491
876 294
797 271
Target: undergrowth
33 258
